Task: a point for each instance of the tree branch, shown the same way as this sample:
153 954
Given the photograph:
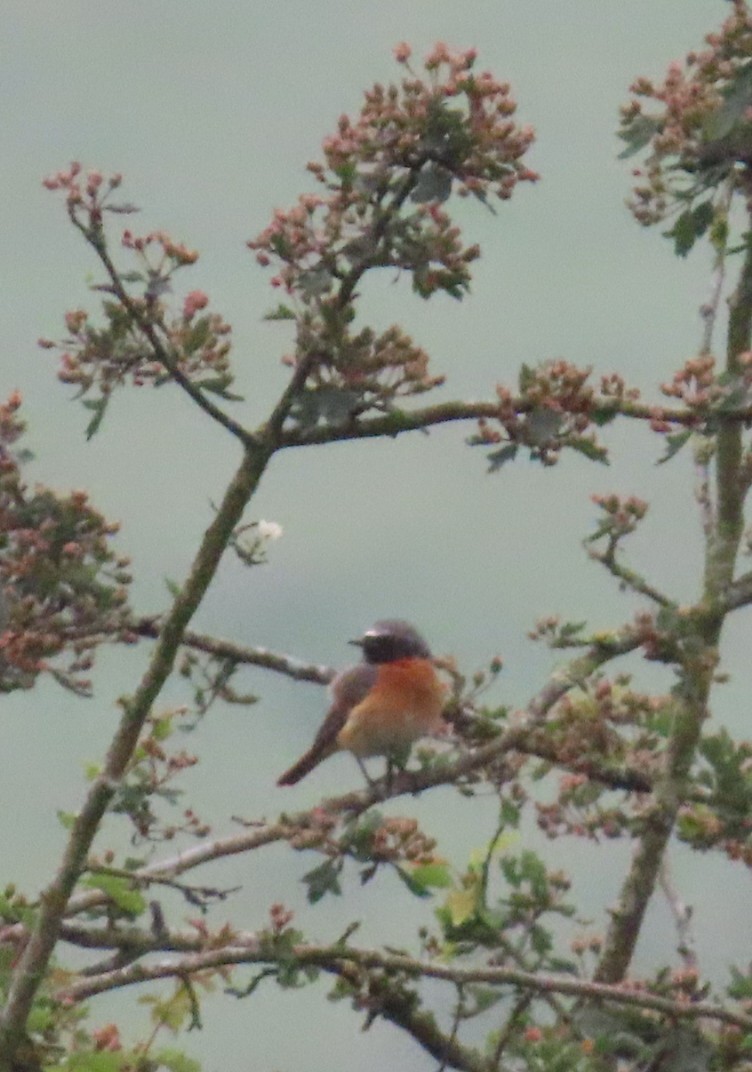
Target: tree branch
698 659
288 665
29 971
95 237
399 421
331 958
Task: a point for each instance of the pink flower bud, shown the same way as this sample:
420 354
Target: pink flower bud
194 301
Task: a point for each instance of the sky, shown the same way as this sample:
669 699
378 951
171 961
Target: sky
211 112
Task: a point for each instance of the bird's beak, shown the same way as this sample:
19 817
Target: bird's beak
358 643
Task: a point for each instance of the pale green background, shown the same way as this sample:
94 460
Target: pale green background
211 111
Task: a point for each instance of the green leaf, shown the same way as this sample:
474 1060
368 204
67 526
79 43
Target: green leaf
738 97
674 443
422 879
322 880
418 889
176 1061
282 312
315 282
485 997
462 905
500 457
637 135
526 377
719 232
98 407
120 891
218 385
588 449
740 987
198 336
172 587
683 233
99 1061
332 405
601 417
434 184
689 226
433 876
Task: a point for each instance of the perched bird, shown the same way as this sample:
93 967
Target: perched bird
383 704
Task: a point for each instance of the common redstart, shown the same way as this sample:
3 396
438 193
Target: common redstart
379 707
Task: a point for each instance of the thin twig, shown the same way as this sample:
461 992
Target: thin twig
682 914
241 654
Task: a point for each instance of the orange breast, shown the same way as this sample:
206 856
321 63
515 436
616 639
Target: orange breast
405 704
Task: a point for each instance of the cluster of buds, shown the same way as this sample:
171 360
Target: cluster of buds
698 386
613 387
102 358
87 192
385 176
400 839
699 133
581 820
361 372
620 516
553 409
171 254
280 917
151 774
63 589
140 342
314 830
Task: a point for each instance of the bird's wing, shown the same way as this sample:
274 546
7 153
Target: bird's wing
348 689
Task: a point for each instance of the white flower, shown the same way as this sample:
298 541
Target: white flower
269 530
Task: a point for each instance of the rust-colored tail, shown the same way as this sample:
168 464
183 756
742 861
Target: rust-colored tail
305 765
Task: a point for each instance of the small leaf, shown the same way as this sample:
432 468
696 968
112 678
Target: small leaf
123 209
485 997
172 587
588 449
98 408
542 425
500 457
674 443
66 819
198 335
601 417
322 880
282 312
691 225
175 1061
738 96
99 1061
435 875
638 134
434 184
418 889
683 233
120 892
462 905
315 282
217 385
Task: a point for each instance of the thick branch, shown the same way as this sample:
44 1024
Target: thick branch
699 658
399 421
331 958
32 965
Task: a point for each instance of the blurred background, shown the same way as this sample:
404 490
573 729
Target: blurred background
211 111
